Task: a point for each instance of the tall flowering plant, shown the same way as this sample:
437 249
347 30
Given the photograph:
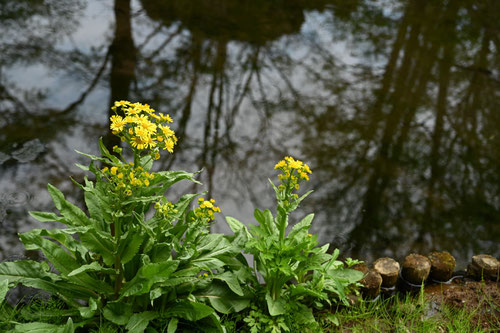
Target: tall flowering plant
133 260
298 276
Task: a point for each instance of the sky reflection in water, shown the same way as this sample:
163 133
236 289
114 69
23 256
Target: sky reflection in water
393 104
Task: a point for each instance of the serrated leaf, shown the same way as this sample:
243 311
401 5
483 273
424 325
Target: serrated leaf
46 217
133 241
4 288
64 237
93 267
99 243
34 274
73 215
304 224
37 327
234 224
62 261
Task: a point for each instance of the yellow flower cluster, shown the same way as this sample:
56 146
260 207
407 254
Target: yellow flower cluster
126 178
142 128
166 209
206 210
293 172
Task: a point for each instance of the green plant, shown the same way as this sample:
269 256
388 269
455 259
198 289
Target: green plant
122 265
297 274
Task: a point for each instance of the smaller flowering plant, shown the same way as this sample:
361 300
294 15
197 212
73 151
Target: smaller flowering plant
297 274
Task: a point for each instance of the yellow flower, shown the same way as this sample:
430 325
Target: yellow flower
105 169
146 182
280 164
167 131
138 143
113 170
121 103
117 124
169 145
119 176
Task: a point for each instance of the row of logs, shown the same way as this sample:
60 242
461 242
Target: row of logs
417 269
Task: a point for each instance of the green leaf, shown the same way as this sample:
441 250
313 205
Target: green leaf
62 261
34 274
234 224
98 202
148 275
143 199
93 267
64 237
346 274
88 311
132 241
105 152
99 243
147 162
47 217
4 288
275 307
139 321
37 327
118 312
188 310
168 178
223 299
304 224
172 325
210 257
266 220
69 327
94 157
72 214
232 282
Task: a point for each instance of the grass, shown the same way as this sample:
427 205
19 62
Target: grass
406 313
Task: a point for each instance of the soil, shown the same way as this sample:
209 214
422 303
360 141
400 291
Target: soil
481 298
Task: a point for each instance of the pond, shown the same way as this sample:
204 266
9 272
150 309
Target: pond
393 104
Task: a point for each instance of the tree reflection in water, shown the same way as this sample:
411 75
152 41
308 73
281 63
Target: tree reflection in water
392 104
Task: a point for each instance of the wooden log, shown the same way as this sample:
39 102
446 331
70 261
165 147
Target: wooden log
388 269
371 283
484 266
442 266
416 268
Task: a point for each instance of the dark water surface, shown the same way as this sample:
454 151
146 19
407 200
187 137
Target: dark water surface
395 105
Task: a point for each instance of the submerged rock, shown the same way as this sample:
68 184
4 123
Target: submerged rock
442 266
416 268
484 266
29 151
388 269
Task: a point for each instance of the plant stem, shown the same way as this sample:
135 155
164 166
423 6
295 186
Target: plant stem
118 265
